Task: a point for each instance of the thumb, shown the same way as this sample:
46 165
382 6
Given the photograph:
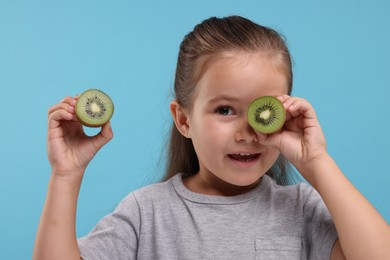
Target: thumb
103 137
272 140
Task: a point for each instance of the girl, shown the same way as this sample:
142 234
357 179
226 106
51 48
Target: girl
223 196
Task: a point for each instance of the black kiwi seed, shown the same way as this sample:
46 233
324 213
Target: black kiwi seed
266 114
94 108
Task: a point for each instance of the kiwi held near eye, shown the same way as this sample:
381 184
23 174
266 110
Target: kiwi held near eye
266 114
94 108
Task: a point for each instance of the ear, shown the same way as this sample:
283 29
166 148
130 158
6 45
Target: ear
180 117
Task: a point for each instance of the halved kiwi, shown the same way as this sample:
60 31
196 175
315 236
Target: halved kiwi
94 108
266 114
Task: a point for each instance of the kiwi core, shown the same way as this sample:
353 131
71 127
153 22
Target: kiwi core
95 108
265 114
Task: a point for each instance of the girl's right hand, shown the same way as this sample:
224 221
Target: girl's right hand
69 149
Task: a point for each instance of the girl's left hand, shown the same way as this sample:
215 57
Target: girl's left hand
301 140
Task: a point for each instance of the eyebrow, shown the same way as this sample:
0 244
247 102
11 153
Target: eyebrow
223 98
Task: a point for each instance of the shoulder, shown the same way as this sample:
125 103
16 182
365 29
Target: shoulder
153 193
301 191
301 198
155 189
149 198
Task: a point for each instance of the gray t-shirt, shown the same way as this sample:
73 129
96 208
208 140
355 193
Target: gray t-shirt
168 221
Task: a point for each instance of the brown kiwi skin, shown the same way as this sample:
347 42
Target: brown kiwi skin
84 123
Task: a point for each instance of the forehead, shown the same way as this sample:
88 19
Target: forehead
243 76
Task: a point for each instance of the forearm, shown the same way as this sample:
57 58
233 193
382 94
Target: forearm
56 236
362 231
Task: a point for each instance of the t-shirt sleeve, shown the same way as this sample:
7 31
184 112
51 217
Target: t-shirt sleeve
116 235
319 231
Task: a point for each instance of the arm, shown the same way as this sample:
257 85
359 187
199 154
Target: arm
69 152
56 236
363 233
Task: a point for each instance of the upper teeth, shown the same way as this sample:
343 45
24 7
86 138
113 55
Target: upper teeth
245 154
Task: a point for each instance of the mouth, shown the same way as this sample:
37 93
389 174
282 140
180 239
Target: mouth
244 157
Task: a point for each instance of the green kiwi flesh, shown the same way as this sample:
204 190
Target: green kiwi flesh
94 108
266 114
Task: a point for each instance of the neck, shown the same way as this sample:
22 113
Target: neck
212 185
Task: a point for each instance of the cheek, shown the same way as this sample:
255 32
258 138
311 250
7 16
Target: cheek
205 127
271 157
209 135
215 131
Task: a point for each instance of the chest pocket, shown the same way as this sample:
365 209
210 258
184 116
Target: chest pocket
278 248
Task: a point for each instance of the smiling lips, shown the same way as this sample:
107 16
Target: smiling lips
244 157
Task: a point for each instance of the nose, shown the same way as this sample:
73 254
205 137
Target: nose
245 133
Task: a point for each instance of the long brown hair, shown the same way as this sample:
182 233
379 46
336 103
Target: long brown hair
205 43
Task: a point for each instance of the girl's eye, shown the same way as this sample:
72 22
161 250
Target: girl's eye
225 111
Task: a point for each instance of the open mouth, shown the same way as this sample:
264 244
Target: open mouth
244 157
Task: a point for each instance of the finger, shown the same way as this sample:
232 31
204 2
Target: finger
295 106
107 131
61 106
301 107
57 116
286 102
272 140
294 124
103 137
69 100
283 98
66 101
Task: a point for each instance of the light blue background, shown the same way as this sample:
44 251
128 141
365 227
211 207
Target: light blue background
51 49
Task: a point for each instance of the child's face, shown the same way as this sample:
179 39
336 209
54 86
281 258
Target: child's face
226 145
